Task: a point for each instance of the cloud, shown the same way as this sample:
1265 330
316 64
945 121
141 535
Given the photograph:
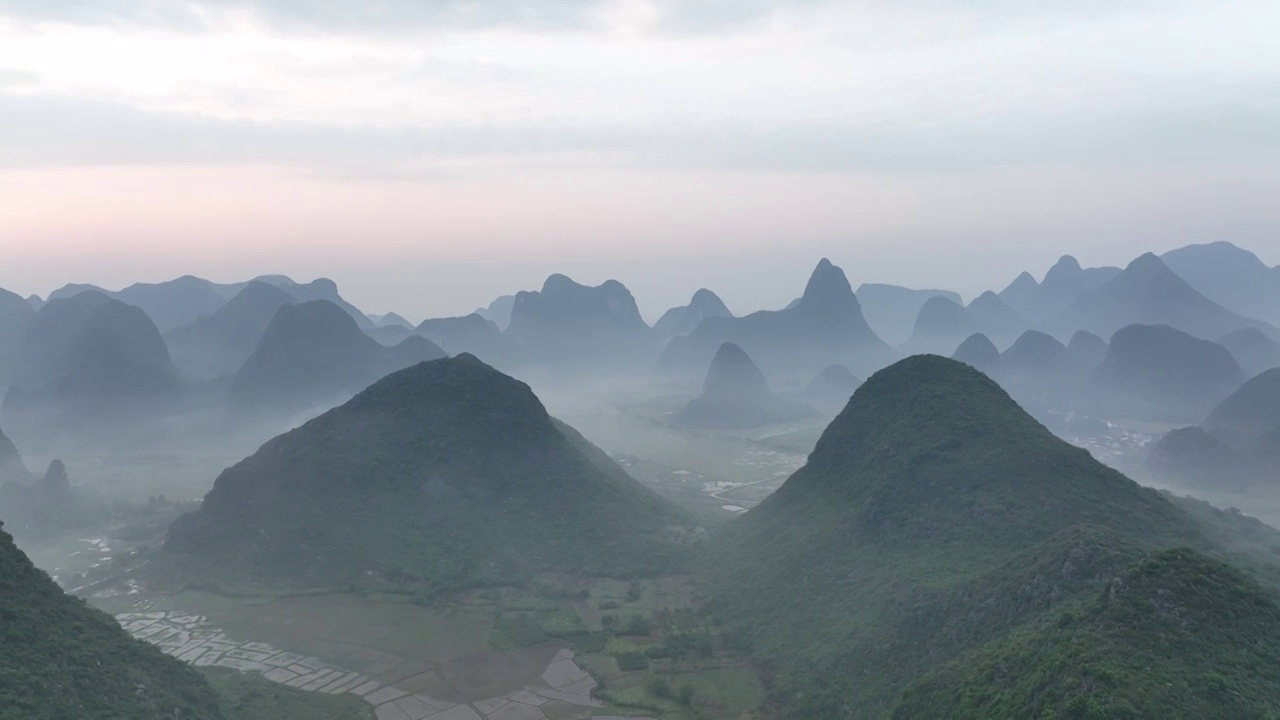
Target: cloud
327 15
16 78
67 131
397 16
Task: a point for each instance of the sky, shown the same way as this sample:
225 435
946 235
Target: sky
429 155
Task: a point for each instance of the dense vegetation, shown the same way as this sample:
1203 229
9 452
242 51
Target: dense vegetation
443 476
934 518
1177 635
60 658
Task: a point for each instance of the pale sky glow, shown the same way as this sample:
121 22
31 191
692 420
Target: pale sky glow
431 155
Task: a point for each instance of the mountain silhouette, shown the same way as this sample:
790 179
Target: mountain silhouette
891 310
1035 354
40 509
1087 350
940 328
1062 284
319 289
1155 371
43 351
390 319
107 367
498 312
736 395
219 343
470 334
996 319
173 303
831 389
312 354
1252 349
70 290
1195 456
978 352
442 476
1250 412
16 316
683 320
1149 293
568 324
169 304
12 468
826 326
390 335
1230 276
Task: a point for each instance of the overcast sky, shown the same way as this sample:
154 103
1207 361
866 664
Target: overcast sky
431 154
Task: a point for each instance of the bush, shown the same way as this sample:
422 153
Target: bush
591 642
659 687
632 662
638 626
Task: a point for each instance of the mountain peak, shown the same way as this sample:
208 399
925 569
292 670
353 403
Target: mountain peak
1066 271
828 288
736 394
557 282
978 352
706 300
1149 264
1067 263
922 391
733 373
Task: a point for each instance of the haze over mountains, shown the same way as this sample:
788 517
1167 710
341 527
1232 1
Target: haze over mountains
826 326
736 395
314 353
713 543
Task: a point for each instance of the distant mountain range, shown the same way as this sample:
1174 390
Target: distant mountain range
891 310
313 354
826 327
1230 276
942 324
1147 292
219 343
1236 446
89 361
685 319
1062 284
568 324
1158 371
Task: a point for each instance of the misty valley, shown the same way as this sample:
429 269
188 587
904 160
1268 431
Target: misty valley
252 500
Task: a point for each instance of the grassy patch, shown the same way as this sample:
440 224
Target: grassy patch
245 696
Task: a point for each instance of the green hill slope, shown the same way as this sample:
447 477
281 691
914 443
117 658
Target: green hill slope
1177 635
934 517
444 475
59 658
